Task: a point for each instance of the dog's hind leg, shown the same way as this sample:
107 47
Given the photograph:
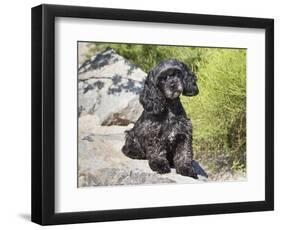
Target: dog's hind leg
132 147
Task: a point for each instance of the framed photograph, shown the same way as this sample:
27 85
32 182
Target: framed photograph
142 114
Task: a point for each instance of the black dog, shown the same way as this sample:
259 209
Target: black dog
163 133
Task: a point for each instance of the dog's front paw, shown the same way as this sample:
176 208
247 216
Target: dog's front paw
160 165
187 171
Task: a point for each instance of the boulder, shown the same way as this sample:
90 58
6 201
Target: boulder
108 88
102 163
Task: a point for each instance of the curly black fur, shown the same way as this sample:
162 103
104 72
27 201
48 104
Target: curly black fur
163 133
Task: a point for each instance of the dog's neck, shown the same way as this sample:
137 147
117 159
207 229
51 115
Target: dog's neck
173 102
174 107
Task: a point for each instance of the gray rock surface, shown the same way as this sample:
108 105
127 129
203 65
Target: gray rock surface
101 162
109 88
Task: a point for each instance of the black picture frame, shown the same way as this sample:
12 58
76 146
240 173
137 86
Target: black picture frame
43 114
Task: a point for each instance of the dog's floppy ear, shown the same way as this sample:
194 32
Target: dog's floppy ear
151 98
190 87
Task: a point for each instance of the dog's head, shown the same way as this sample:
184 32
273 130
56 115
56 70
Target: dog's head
168 80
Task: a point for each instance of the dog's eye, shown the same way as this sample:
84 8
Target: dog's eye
169 75
163 78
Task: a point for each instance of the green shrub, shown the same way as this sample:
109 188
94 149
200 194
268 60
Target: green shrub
219 111
147 56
